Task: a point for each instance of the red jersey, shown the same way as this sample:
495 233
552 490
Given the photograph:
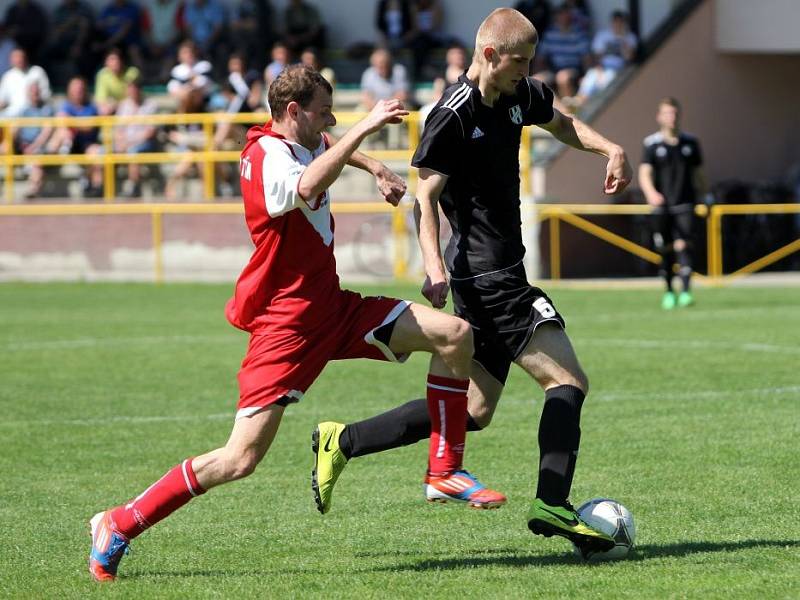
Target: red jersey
291 277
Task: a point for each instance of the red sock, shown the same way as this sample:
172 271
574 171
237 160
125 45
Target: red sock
158 501
447 405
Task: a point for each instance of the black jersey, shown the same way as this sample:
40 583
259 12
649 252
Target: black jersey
477 147
673 166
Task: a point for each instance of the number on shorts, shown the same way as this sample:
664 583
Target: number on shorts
545 308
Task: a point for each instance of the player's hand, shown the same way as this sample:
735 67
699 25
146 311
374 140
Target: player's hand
655 199
435 291
390 185
384 113
618 173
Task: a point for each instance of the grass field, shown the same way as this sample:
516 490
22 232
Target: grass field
692 422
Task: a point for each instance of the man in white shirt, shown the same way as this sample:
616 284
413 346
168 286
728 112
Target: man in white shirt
16 81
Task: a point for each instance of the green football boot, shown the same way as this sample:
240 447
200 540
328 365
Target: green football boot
548 521
329 462
668 301
685 299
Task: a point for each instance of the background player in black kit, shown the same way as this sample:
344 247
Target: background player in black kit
468 161
672 179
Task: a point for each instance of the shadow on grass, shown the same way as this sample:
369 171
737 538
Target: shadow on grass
511 558
507 557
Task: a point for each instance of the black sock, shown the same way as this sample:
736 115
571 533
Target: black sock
559 438
685 270
665 270
401 426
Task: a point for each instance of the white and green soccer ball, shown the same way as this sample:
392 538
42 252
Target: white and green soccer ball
612 518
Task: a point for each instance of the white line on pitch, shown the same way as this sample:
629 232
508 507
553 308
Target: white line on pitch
121 419
96 342
702 344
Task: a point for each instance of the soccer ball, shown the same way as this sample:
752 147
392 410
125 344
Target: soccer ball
609 516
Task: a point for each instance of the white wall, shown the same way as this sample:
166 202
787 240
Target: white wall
764 26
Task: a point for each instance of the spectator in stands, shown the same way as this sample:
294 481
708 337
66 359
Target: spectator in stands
32 139
166 31
581 15
205 24
134 139
304 27
310 58
253 30
428 16
383 80
119 25
80 140
26 23
593 82
280 60
190 83
394 20
7 46
15 82
112 81
537 12
439 86
456 64
615 47
563 54
68 41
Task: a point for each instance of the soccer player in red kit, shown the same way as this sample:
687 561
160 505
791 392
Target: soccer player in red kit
288 297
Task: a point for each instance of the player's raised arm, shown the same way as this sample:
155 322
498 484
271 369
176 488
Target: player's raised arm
426 215
576 133
323 171
390 184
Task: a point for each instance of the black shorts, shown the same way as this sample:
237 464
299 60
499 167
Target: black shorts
504 311
672 223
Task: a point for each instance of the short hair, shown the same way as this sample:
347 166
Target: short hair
505 29
670 101
296 83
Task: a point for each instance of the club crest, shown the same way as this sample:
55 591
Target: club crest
515 112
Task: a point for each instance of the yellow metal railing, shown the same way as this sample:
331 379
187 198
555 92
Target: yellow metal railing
572 214
206 157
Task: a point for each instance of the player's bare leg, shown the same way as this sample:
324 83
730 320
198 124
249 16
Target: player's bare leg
449 340
550 359
442 417
112 530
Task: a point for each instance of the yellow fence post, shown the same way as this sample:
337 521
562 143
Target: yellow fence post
555 247
400 242
716 232
8 150
525 160
158 238
109 181
208 164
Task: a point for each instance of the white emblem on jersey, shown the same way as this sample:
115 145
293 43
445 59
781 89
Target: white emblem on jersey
476 133
515 112
661 152
686 150
246 168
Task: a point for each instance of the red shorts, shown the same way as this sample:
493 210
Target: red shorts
284 364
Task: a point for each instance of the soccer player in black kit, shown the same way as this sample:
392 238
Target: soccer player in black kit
468 162
671 178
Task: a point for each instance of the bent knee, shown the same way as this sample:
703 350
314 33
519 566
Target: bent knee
482 415
458 336
241 466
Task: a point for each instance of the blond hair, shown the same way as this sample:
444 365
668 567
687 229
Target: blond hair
505 29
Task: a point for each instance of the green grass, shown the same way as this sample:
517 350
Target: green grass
692 422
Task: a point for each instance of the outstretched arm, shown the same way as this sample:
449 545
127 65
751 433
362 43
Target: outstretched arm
426 215
390 184
323 171
576 133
